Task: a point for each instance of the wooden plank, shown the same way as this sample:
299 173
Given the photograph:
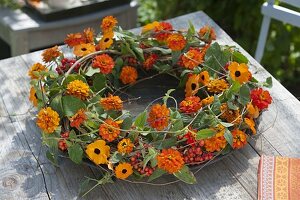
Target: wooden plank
14 86
20 176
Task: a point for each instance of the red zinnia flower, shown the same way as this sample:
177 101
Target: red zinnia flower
149 61
261 98
104 62
190 104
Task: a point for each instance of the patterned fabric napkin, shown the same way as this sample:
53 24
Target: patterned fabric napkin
278 178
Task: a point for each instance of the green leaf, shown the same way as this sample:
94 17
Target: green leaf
215 58
205 133
56 104
52 157
72 135
166 143
186 175
140 120
71 105
127 123
228 137
225 124
75 153
244 95
115 158
99 82
268 83
177 125
152 154
175 56
239 57
156 174
91 71
215 107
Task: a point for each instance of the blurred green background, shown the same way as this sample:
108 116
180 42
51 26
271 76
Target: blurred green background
241 19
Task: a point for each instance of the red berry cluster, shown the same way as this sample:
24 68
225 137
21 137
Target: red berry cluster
65 66
62 145
195 155
136 162
132 61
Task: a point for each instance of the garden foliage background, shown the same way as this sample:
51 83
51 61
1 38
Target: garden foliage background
242 21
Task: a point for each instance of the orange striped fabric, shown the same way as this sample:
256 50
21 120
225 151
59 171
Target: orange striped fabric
278 178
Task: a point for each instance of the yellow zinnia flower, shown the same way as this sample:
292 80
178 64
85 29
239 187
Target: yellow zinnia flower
48 120
78 89
98 152
217 85
37 67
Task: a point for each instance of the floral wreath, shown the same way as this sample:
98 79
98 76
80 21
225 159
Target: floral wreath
81 117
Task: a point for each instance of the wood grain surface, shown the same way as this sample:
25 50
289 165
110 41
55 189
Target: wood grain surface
25 172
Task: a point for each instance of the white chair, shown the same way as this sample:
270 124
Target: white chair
269 10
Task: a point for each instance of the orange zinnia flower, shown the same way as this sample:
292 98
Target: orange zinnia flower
150 61
78 118
231 116
190 104
162 31
261 98
51 54
123 170
239 72
159 116
125 146
204 78
84 49
89 35
207 100
252 111
37 67
217 142
79 89
170 160
108 23
75 39
251 124
207 33
239 139
128 75
111 103
176 42
192 85
104 62
109 130
192 58
48 120
106 41
33 97
217 85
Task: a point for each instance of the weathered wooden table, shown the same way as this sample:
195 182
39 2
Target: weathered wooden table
25 173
